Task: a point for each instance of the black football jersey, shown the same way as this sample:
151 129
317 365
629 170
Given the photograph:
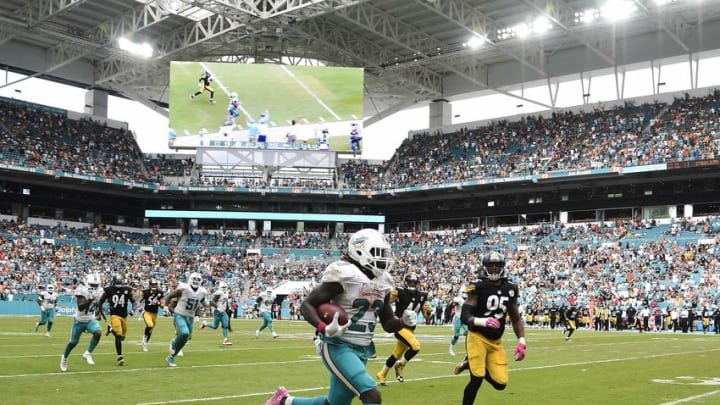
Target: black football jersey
492 300
409 299
152 299
118 298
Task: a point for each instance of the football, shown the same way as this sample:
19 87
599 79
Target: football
326 311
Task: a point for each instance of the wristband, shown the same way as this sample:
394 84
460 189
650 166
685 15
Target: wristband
521 341
321 327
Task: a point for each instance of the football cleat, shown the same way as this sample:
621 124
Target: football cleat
170 361
381 377
399 368
278 396
120 360
257 334
204 325
63 363
227 342
47 334
109 330
451 352
88 358
460 367
274 335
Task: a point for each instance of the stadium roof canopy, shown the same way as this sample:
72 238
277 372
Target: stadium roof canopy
412 50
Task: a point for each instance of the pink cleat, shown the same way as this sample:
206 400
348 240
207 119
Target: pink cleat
278 396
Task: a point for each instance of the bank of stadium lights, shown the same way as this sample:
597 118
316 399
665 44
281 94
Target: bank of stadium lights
474 42
144 50
587 16
613 10
538 26
616 10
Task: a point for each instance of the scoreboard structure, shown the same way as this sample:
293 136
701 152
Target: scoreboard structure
261 162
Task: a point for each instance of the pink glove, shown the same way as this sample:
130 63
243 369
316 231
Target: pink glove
492 323
520 352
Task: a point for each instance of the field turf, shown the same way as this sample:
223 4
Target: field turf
593 368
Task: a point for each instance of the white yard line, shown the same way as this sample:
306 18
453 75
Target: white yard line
309 360
692 398
310 92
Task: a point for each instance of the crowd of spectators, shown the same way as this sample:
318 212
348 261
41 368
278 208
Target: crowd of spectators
555 264
34 136
628 135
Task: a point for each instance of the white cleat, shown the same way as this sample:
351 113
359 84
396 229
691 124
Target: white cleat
88 358
63 363
451 351
257 334
275 335
47 334
227 342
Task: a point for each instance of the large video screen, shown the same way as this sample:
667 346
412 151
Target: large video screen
265 105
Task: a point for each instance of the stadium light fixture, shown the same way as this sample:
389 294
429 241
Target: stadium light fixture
144 50
475 42
541 25
587 16
617 10
522 30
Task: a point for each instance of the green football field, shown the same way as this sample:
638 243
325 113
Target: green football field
309 95
594 368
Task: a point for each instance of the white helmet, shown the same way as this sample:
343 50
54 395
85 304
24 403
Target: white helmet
50 288
92 281
371 250
195 280
222 286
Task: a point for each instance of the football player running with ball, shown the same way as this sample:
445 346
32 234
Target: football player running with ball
489 302
360 283
408 302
